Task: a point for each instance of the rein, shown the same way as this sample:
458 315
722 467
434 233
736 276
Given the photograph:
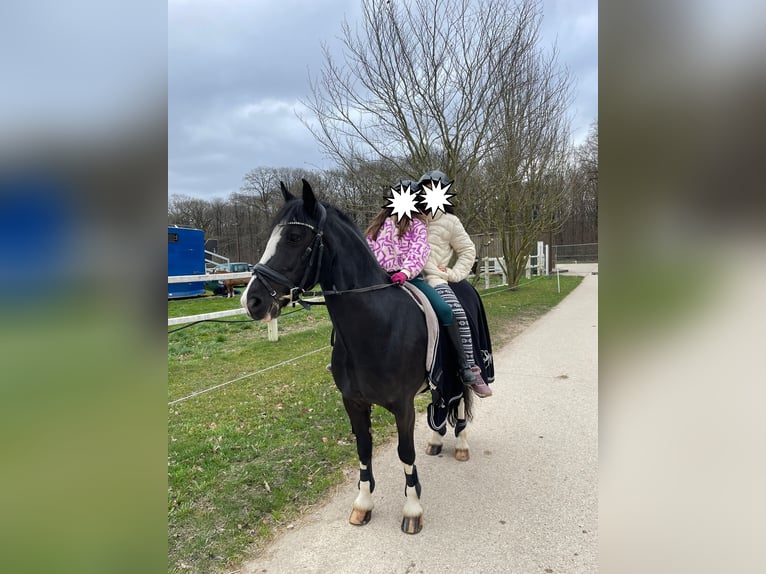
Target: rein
314 252
306 304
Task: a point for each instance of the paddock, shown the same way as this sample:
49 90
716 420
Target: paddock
209 427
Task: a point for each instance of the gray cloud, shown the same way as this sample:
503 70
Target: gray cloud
76 67
237 71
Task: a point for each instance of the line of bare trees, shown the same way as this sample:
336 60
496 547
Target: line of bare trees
457 85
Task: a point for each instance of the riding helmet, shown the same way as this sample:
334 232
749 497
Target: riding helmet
404 183
435 175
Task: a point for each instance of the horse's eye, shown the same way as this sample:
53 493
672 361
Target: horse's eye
294 236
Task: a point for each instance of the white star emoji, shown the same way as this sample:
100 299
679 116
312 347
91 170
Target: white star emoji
436 198
403 203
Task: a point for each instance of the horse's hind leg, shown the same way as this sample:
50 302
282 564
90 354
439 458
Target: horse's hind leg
359 415
412 521
462 451
435 442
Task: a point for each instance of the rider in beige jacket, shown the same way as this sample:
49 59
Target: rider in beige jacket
451 258
452 251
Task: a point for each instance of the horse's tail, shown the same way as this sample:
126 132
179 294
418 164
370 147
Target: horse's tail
468 402
453 414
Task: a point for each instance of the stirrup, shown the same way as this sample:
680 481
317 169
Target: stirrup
467 376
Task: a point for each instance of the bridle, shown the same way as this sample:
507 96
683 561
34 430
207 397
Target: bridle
313 252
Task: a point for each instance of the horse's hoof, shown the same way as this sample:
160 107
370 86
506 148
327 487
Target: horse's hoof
412 525
360 517
433 449
462 454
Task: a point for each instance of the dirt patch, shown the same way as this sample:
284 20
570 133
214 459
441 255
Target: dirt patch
512 330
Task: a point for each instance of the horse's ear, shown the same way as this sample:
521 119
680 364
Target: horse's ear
309 201
285 193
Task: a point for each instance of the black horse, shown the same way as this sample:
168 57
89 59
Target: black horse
379 353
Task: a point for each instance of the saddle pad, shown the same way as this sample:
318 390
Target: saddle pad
432 323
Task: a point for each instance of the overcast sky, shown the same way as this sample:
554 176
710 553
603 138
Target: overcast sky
237 70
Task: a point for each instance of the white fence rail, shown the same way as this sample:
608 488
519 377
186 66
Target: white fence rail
215 259
204 317
272 327
209 277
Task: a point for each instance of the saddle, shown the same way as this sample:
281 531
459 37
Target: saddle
432 324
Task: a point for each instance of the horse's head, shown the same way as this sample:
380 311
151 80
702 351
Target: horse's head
292 259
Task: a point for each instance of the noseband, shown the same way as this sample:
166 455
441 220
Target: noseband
313 252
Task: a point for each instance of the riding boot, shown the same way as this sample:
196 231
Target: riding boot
464 369
480 388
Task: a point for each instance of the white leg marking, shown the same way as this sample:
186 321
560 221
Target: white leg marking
436 439
462 440
412 507
364 498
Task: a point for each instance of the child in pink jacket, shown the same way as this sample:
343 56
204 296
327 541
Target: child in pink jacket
402 249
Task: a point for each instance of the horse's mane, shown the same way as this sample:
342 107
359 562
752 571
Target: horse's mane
345 219
293 211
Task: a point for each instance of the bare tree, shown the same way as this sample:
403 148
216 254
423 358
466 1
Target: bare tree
255 205
218 212
362 192
587 157
587 154
189 211
459 85
531 176
419 86
258 197
582 225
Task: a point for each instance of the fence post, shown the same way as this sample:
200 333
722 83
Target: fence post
547 260
273 329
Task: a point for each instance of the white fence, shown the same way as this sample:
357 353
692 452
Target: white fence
491 264
206 316
208 277
536 264
272 326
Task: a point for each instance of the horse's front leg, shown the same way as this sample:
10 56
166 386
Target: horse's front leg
359 415
412 521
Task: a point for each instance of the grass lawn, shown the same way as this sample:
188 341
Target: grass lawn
254 453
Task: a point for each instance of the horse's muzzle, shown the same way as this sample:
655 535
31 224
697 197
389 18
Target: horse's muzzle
259 304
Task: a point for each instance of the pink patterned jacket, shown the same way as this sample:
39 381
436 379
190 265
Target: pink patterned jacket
407 253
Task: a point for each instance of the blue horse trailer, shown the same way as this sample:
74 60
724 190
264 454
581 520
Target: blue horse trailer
186 256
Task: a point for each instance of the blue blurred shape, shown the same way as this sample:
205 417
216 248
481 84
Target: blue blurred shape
37 228
186 256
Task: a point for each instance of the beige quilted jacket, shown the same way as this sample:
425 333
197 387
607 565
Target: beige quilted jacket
451 247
